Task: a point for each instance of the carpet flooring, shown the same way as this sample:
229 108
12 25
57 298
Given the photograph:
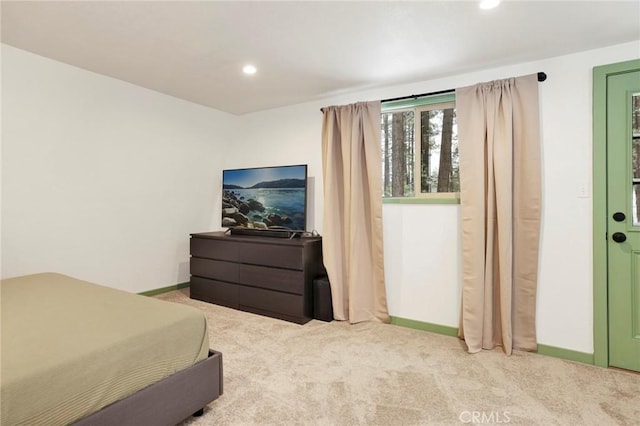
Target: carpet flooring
280 373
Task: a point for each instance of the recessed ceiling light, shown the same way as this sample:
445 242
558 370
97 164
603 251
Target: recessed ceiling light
489 4
249 69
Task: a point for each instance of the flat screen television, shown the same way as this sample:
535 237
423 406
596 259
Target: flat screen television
265 198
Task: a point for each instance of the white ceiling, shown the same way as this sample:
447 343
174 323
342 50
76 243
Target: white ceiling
304 50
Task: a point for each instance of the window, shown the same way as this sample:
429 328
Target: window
420 148
635 156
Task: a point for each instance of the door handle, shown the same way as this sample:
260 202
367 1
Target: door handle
619 216
619 237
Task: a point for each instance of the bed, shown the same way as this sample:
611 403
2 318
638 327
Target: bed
74 352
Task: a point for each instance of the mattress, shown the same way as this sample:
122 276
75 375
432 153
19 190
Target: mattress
70 348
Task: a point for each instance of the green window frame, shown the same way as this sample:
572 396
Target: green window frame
417 105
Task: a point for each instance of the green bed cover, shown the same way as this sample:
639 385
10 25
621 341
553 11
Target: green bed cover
70 347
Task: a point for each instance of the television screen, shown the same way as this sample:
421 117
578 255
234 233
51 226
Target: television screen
265 198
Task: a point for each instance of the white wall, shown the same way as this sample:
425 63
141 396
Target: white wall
284 137
101 179
104 180
422 242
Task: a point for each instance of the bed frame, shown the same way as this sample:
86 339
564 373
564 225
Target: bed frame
167 402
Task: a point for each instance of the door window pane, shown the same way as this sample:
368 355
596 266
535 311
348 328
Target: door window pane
635 157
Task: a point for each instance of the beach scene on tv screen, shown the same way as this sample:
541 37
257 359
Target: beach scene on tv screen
264 198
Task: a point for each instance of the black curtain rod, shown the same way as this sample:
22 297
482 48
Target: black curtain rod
541 77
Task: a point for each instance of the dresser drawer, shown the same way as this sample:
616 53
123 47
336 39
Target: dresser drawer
214 292
289 257
284 280
214 249
214 269
288 304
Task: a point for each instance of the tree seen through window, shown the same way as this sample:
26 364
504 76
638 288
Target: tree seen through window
428 163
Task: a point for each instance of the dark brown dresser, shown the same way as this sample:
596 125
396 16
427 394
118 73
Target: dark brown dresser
263 275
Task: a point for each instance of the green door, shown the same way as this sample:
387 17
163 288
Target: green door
623 218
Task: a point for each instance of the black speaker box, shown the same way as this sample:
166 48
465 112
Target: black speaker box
322 305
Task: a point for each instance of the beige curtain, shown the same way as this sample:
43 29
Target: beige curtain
352 234
499 145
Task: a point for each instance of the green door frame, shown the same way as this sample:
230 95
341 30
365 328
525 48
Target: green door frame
600 298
